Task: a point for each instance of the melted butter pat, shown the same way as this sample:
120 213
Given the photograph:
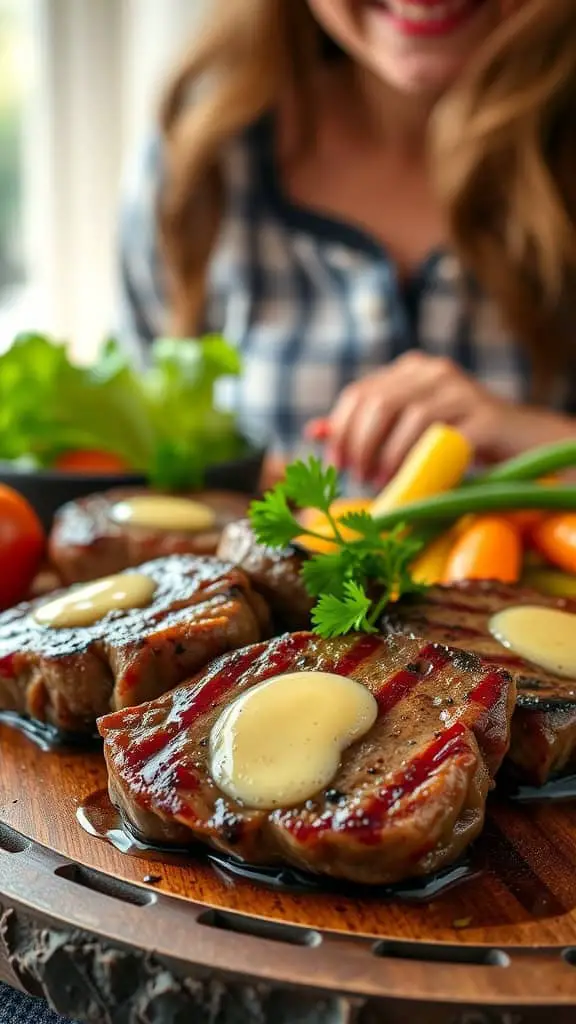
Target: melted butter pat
281 742
160 512
83 606
544 636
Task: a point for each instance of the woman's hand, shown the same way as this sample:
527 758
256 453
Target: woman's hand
378 419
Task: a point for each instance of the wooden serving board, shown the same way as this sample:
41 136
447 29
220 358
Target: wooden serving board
142 937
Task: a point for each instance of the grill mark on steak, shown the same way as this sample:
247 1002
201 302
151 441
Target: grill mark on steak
217 684
201 608
374 815
432 657
448 743
544 724
364 648
86 543
477 601
406 799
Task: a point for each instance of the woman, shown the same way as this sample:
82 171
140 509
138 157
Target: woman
375 200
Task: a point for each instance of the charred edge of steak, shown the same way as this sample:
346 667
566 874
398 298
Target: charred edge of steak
543 744
275 573
202 608
85 542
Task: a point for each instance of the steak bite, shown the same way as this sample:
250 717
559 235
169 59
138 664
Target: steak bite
87 542
544 725
406 799
274 572
200 608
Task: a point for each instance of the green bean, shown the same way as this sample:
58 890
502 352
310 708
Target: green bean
486 497
537 462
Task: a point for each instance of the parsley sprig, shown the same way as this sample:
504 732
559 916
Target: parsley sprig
353 584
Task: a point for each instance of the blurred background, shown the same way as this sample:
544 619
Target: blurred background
79 87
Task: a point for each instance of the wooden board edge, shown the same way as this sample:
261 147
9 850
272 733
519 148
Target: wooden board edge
90 945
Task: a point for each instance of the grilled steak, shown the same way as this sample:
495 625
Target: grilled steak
86 543
68 677
544 724
274 573
406 799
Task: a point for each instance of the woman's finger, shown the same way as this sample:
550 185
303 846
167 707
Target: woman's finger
341 418
451 405
366 411
393 393
457 403
407 430
368 431
383 396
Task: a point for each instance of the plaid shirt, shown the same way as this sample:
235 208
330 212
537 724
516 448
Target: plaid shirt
311 302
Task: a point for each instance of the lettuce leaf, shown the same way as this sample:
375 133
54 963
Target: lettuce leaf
163 422
49 405
192 433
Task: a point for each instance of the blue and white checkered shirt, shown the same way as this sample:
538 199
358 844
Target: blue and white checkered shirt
311 302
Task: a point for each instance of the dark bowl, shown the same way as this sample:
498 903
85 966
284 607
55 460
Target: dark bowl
47 490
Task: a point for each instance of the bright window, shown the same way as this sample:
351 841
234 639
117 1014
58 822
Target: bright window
16 82
12 89
79 84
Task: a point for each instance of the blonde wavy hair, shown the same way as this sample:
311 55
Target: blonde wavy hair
503 143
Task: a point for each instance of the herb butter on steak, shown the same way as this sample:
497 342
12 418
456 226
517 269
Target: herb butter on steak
406 800
86 542
201 608
544 724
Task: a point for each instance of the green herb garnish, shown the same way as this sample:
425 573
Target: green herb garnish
354 584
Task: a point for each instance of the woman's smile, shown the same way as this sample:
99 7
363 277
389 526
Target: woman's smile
426 17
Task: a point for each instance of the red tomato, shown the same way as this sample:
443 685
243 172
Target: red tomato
490 549
90 462
22 543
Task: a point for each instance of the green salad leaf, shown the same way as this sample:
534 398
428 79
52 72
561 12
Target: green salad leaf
191 432
162 422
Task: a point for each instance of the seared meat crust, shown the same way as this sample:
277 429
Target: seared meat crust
406 800
202 607
544 724
86 543
275 574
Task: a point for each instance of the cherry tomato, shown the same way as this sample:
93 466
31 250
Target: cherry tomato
22 543
90 462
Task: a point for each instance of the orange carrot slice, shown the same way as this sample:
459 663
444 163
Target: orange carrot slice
555 538
491 549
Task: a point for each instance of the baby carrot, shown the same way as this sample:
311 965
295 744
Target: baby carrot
555 538
489 550
430 565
